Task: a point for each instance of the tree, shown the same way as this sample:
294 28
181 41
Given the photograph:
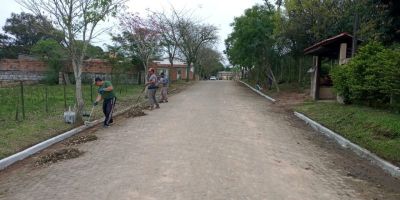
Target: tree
140 36
78 20
251 44
191 37
208 61
167 29
51 52
24 30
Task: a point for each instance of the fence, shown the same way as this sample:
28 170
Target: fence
24 102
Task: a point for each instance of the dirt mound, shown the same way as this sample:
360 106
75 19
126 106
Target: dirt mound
58 155
135 111
80 140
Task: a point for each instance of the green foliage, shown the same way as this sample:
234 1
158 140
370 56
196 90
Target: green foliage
372 76
251 41
23 31
51 52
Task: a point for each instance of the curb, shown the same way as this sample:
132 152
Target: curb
260 93
5 162
383 164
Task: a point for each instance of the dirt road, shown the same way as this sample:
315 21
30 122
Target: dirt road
216 140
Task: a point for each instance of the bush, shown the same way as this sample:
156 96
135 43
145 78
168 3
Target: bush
51 52
371 77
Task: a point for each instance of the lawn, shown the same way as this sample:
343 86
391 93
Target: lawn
40 123
375 130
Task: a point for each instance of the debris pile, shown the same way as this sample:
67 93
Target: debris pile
80 140
135 111
58 155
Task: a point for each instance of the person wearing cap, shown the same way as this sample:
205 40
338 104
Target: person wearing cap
164 90
106 93
152 88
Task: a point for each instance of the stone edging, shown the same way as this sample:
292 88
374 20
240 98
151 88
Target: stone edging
5 162
383 164
260 93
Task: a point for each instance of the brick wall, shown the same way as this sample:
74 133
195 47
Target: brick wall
12 70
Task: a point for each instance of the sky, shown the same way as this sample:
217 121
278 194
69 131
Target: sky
220 13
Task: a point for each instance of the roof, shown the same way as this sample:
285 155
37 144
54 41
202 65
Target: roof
330 47
166 62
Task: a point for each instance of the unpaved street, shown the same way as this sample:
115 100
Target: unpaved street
216 140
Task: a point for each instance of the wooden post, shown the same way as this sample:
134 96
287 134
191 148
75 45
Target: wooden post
91 92
343 53
47 99
317 77
65 97
22 99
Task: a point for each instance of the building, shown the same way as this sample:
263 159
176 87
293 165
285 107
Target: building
177 72
224 75
327 54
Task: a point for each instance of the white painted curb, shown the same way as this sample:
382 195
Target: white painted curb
260 93
385 165
5 162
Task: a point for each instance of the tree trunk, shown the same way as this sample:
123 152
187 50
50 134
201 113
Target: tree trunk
300 71
66 78
78 91
188 72
274 80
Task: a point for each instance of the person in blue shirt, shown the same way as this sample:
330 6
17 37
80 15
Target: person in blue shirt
164 90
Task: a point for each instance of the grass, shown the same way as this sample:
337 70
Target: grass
375 130
17 134
283 87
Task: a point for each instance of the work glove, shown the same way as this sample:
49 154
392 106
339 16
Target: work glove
101 91
95 103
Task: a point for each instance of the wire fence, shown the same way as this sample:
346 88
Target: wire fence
24 102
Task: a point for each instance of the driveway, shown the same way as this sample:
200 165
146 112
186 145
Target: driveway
216 140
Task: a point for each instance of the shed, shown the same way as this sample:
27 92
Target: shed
335 48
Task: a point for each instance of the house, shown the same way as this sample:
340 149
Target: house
177 72
224 75
327 54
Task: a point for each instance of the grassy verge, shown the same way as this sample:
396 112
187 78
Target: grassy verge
375 130
284 87
17 133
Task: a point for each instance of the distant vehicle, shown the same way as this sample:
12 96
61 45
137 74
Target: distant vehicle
213 78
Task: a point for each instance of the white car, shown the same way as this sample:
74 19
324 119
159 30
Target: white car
213 78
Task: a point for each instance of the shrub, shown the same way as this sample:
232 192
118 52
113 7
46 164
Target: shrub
371 77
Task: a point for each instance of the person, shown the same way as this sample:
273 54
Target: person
164 90
106 93
152 88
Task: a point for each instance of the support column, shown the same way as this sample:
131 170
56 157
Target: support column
343 54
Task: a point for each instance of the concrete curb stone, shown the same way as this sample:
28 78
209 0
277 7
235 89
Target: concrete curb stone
5 162
260 93
383 164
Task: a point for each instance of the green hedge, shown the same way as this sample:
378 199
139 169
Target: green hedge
372 77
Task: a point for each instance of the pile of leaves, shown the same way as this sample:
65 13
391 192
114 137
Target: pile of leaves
80 140
58 155
135 111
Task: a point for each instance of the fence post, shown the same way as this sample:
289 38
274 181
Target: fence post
47 99
91 93
16 110
65 97
22 100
